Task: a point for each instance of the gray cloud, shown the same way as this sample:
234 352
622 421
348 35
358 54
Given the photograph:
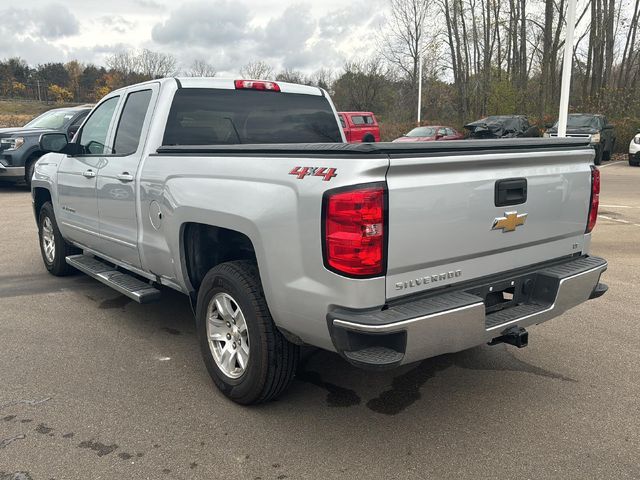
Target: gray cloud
204 24
117 23
55 21
50 22
151 4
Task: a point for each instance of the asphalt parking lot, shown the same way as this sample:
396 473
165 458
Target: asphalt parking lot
94 386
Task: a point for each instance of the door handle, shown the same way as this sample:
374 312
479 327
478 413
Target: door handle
89 174
510 191
125 177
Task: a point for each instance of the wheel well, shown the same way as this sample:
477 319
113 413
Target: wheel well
368 137
206 246
40 197
33 156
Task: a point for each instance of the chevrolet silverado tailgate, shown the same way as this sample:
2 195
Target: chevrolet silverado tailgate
471 209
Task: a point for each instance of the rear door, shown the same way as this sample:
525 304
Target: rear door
446 224
117 207
78 212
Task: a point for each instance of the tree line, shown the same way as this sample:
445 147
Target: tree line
479 57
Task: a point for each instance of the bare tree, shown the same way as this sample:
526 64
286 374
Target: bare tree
156 64
125 62
147 63
200 68
404 42
258 70
291 76
362 86
322 78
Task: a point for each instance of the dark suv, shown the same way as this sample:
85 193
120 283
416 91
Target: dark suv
502 126
596 127
19 147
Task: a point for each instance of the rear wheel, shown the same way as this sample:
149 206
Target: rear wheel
53 247
248 359
368 138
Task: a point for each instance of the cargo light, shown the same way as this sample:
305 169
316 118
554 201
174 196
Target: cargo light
257 85
354 230
595 199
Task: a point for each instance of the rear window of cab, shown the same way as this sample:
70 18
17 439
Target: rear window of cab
206 116
362 119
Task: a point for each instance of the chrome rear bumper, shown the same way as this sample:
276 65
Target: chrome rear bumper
456 320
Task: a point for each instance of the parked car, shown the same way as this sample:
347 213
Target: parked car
386 253
360 127
634 150
430 133
594 127
19 148
502 126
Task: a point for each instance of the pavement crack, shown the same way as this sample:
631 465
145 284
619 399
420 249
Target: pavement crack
30 403
8 441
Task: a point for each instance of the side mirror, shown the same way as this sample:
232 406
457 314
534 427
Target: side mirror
53 142
58 143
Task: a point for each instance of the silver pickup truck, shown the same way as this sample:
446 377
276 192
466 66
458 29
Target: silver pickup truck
244 196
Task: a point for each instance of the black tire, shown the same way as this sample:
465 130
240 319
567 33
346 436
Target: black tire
599 155
29 167
58 266
368 138
633 164
272 361
606 156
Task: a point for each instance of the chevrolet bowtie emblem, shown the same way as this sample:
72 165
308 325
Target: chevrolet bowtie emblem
509 222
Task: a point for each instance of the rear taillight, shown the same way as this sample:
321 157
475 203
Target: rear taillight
354 231
257 85
595 198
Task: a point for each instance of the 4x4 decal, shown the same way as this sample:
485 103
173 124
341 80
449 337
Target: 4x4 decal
326 173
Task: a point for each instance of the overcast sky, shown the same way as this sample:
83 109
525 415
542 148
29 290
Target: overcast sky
303 35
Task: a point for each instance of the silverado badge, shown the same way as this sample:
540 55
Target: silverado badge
509 222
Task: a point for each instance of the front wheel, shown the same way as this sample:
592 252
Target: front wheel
599 155
248 359
53 247
29 169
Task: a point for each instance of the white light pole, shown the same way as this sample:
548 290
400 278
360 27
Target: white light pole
419 87
566 69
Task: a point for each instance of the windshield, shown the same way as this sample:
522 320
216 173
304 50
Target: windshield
201 116
422 132
52 119
581 121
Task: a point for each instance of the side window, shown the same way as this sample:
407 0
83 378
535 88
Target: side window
450 132
368 120
78 121
131 121
357 120
344 125
94 133
442 131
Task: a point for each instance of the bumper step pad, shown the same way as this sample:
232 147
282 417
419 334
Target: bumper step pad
375 356
124 283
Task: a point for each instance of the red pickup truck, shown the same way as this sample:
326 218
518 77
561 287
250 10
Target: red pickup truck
360 127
